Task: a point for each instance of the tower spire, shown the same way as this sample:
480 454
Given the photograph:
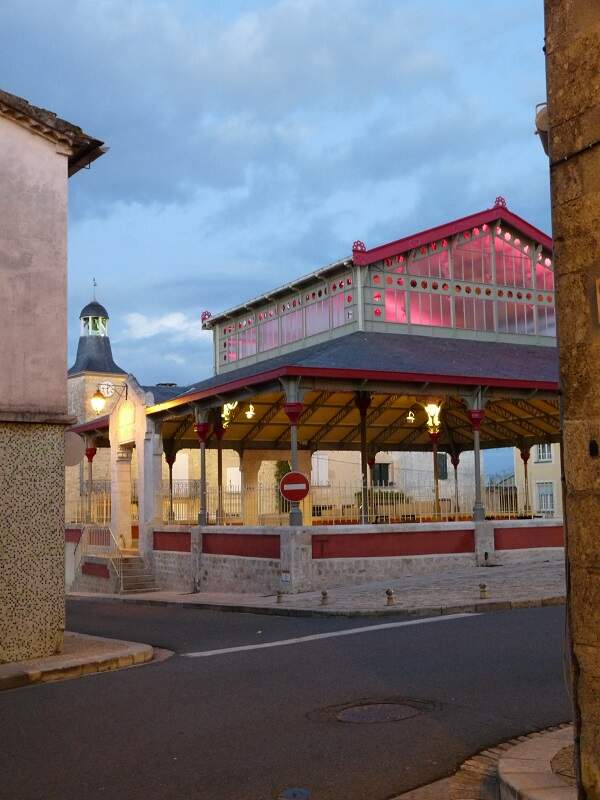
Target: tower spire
94 284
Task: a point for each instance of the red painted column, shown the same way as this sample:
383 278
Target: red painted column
434 436
455 460
170 455
293 411
202 431
219 432
90 452
525 452
476 417
363 401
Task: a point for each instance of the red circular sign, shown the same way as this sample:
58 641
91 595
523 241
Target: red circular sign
294 486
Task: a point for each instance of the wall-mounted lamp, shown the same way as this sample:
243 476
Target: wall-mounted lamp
410 417
103 392
249 412
542 125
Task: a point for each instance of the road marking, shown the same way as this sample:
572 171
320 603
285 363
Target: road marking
316 636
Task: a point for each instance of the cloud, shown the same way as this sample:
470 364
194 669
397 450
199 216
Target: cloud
174 327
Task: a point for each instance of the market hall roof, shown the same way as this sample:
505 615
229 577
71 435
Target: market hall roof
84 148
393 358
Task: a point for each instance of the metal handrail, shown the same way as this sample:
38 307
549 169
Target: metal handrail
99 540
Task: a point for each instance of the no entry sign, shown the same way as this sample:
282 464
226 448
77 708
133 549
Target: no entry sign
294 486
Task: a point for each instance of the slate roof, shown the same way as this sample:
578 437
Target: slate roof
402 357
162 392
94 309
94 354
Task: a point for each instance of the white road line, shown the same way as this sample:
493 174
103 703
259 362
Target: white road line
316 636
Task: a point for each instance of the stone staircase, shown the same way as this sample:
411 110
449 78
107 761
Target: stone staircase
137 576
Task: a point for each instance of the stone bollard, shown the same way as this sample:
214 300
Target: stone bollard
279 595
484 592
391 597
324 597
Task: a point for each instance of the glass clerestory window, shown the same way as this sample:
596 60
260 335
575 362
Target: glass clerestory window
484 279
305 314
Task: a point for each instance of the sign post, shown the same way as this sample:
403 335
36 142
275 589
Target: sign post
294 486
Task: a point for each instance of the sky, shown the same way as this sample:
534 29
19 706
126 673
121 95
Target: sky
252 141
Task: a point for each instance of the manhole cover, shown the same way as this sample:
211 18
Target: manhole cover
374 709
378 712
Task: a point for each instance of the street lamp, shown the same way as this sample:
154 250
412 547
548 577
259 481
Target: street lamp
433 410
103 392
98 401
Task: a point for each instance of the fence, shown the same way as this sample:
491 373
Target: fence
410 500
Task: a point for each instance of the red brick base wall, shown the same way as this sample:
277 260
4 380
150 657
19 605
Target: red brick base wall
378 545
175 541
524 538
237 544
97 570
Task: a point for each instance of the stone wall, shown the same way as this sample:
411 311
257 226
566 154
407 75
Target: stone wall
173 571
32 540
96 574
238 574
327 573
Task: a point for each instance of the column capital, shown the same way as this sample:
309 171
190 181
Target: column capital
363 401
90 452
293 411
455 459
202 431
476 417
525 452
434 436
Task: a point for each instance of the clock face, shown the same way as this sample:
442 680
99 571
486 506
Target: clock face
107 388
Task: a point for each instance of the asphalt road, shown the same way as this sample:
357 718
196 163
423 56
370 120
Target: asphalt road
245 725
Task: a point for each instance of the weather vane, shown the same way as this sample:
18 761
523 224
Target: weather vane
94 284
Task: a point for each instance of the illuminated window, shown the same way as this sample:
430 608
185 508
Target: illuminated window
474 313
473 260
395 305
317 317
291 327
428 309
513 267
268 335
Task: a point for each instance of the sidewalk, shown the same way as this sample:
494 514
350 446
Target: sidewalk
511 586
534 767
82 655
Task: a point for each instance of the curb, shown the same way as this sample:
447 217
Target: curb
59 668
525 770
282 611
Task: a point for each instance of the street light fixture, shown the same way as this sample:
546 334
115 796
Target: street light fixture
103 392
433 410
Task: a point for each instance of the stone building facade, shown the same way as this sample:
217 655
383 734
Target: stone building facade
38 153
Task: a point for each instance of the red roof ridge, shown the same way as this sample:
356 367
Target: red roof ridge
447 229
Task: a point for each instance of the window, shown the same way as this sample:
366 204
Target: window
545 497
381 474
442 466
543 452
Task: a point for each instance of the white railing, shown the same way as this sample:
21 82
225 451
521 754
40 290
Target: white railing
411 499
99 540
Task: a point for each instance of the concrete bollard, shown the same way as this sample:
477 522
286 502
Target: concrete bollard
391 597
484 592
324 597
279 595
